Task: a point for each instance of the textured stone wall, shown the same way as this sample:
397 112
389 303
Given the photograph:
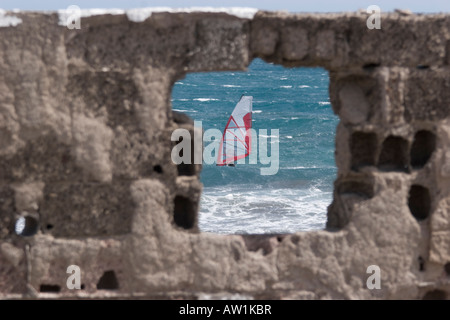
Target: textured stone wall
85 125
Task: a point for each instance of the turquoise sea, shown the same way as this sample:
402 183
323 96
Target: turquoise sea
296 102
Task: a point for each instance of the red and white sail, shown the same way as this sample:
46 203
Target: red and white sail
236 138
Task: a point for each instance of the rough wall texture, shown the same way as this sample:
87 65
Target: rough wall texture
85 125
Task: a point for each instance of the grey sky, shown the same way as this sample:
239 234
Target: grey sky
289 5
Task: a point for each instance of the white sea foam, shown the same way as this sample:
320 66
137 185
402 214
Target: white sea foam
141 14
257 111
304 86
183 110
289 137
263 211
324 103
230 86
205 99
8 21
264 136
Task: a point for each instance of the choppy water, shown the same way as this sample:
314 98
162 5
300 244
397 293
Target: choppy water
295 101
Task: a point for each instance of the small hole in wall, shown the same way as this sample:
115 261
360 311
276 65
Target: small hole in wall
347 194
184 213
363 149
447 269
26 226
394 154
158 169
370 66
82 286
186 169
49 226
421 264
49 288
422 67
419 202
108 281
435 295
254 242
422 148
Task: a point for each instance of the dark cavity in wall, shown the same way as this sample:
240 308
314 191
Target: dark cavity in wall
435 295
363 148
419 202
108 281
447 269
394 154
422 148
158 169
421 264
27 226
184 212
347 194
49 288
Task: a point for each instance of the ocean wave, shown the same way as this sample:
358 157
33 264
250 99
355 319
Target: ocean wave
185 84
323 103
270 136
263 210
184 110
286 87
257 111
311 167
205 99
231 86
304 86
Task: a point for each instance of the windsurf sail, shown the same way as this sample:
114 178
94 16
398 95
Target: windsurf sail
236 139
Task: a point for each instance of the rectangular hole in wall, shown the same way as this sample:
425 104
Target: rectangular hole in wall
295 101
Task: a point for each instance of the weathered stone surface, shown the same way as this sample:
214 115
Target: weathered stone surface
13 269
85 147
96 209
426 99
